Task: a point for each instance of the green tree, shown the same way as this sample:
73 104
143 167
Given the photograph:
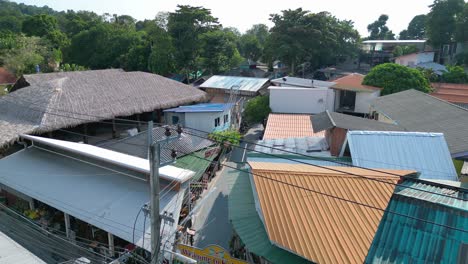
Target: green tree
40 25
10 23
403 50
186 25
455 74
441 21
416 28
379 30
232 137
393 78
260 31
462 25
218 51
257 109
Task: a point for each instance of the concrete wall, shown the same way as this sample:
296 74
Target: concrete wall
363 101
206 121
415 58
295 100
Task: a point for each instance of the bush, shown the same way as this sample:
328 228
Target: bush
394 78
455 74
231 136
257 109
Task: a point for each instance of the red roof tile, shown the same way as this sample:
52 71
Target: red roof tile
290 126
451 92
353 82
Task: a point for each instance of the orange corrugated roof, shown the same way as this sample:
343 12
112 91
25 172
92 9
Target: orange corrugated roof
353 82
290 126
451 92
317 227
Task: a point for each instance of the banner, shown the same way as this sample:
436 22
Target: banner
210 255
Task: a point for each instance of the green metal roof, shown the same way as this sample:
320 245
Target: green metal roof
197 165
247 223
401 239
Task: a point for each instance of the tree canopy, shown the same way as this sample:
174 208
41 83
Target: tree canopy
416 28
257 109
378 29
442 21
393 78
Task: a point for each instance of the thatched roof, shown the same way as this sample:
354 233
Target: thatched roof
65 99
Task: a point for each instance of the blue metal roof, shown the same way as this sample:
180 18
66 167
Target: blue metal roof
200 108
426 153
249 84
400 239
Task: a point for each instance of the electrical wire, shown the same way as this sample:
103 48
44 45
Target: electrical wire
339 198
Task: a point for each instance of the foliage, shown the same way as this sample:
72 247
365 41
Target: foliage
257 109
72 67
320 39
379 30
461 33
250 47
441 21
416 28
462 58
403 50
218 51
231 136
455 74
429 74
39 25
185 26
21 54
395 78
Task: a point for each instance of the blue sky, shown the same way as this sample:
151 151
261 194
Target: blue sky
243 13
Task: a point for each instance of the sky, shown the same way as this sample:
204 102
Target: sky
242 14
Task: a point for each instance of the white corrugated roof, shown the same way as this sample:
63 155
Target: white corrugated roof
302 82
130 162
249 84
12 252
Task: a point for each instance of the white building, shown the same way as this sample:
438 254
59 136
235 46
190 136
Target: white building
351 96
416 58
300 82
205 117
297 100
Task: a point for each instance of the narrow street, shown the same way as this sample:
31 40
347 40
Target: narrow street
212 221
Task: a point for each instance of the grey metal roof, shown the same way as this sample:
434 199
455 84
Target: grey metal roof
248 84
327 120
91 193
310 146
426 153
66 99
138 145
436 67
420 112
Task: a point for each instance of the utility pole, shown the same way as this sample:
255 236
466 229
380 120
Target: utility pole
155 164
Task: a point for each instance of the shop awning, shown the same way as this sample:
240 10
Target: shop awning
96 195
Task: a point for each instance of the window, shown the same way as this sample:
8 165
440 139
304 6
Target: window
175 120
226 119
217 122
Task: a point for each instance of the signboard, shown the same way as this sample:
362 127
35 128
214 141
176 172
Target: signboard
210 255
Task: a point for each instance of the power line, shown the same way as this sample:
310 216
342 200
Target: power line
337 197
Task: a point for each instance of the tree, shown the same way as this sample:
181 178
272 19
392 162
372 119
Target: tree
161 59
461 34
416 28
395 78
250 47
441 21
185 26
260 31
455 74
232 137
403 50
218 51
257 109
379 30
40 25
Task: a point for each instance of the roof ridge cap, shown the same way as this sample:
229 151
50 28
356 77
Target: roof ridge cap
331 119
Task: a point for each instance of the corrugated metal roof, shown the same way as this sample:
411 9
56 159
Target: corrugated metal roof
12 252
290 126
200 108
311 146
327 120
417 111
394 41
318 227
426 153
401 239
247 223
197 162
239 83
353 82
301 82
291 159
91 193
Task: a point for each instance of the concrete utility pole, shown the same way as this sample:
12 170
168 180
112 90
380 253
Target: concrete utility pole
155 164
